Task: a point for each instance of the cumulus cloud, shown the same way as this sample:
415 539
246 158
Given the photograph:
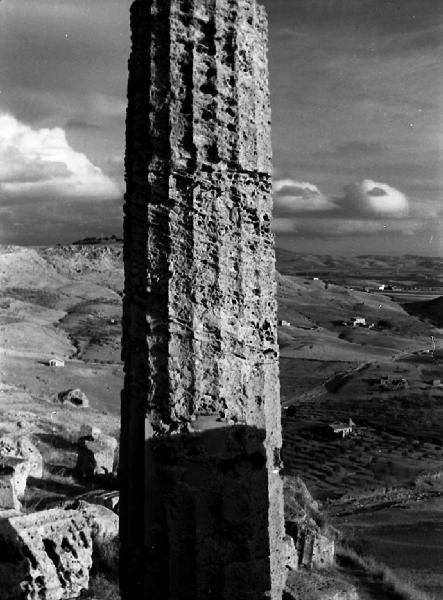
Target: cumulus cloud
291 197
40 163
366 208
372 199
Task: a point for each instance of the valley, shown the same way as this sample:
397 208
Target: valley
383 374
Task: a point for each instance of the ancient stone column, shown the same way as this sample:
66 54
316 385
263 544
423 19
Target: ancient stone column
201 510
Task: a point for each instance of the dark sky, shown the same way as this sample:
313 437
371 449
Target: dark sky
357 89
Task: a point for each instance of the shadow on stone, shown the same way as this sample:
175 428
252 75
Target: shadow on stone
208 523
55 487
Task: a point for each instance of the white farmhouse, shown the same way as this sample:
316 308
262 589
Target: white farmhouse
56 362
358 321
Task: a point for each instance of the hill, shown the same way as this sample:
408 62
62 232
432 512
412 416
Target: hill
431 310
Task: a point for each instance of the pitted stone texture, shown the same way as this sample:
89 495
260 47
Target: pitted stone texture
21 446
199 254
96 455
200 319
209 58
103 525
45 555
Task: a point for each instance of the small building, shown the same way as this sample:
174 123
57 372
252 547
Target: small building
436 383
381 288
358 322
394 384
284 323
56 362
343 429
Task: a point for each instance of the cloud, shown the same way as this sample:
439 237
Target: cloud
40 163
366 208
292 197
372 199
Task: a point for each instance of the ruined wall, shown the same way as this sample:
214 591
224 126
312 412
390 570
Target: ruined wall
199 344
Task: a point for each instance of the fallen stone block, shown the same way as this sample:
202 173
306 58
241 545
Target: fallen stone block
75 397
104 526
45 555
8 492
18 469
290 553
109 499
21 446
96 455
323 552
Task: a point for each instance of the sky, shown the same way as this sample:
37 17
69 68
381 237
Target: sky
356 87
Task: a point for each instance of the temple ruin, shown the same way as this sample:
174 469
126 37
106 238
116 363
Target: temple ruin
201 508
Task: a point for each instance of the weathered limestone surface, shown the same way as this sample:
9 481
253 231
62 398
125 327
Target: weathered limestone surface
96 455
18 469
109 499
75 397
21 446
314 545
45 555
199 343
104 526
8 490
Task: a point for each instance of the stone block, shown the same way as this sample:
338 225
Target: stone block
323 552
212 497
8 492
96 456
74 397
45 555
21 446
109 499
18 469
290 554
